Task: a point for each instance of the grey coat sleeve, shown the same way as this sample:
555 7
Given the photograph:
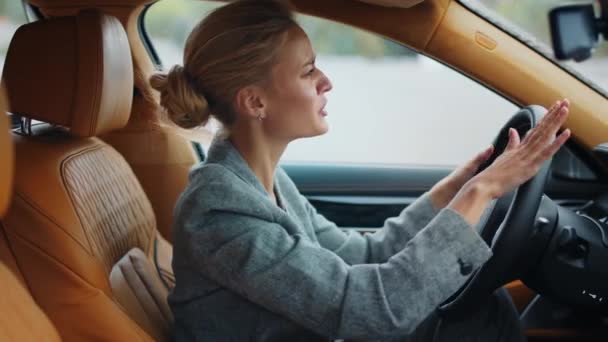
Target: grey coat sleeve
379 246
294 277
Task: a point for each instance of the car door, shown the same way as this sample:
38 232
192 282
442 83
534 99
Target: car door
361 197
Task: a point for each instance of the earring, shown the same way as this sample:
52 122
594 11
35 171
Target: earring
260 117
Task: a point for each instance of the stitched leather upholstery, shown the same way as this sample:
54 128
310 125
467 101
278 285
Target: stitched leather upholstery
78 208
84 81
148 308
113 210
20 318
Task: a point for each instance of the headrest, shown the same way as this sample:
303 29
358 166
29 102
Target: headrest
6 157
72 71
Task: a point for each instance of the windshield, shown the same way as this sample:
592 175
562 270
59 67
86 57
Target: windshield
528 20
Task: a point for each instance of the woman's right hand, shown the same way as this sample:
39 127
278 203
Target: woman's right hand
519 162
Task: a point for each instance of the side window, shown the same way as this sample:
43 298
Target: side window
12 15
389 104
167 24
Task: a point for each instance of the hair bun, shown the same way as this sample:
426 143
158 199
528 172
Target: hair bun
184 105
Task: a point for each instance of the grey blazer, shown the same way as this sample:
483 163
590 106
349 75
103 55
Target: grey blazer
249 270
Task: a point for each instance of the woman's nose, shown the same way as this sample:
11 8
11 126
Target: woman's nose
324 84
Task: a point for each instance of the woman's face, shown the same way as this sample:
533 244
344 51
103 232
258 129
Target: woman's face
295 98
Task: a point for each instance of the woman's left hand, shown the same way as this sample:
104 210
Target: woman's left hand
443 192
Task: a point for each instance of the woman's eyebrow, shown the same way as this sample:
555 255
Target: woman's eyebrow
311 60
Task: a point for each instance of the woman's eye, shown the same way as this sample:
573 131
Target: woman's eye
311 71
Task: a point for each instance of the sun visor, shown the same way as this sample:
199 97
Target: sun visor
394 3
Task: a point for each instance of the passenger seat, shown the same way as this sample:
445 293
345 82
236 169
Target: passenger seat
20 318
81 228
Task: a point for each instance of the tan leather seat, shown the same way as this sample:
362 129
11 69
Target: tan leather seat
20 318
161 158
80 226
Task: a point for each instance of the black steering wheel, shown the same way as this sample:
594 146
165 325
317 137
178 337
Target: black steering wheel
506 225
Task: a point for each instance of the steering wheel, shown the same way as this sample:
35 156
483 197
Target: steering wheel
506 225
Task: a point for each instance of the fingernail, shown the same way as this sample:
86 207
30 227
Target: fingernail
555 108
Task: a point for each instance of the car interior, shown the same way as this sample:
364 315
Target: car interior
91 173
22 318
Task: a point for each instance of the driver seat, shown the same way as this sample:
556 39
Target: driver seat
80 226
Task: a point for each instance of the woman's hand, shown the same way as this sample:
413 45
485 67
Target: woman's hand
519 162
522 160
443 192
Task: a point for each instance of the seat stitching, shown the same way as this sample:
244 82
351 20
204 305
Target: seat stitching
121 311
51 257
31 204
65 186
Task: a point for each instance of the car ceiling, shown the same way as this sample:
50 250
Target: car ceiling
54 3
394 3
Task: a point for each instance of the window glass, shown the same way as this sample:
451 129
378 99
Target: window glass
12 16
389 105
530 18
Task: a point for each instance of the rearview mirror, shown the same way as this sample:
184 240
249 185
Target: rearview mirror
574 31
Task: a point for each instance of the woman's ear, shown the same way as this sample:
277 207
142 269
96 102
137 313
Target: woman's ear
250 102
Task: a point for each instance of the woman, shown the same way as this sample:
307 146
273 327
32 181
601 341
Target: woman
252 258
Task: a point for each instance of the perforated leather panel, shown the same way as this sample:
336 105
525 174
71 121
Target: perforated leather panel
115 214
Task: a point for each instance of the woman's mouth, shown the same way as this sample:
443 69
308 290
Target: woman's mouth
323 111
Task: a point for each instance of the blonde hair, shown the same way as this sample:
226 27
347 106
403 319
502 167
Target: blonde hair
234 46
